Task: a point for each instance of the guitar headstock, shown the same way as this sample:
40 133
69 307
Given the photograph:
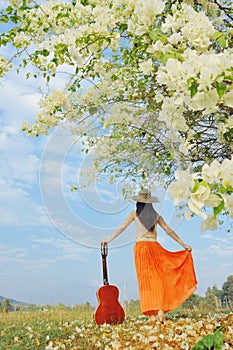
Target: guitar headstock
104 249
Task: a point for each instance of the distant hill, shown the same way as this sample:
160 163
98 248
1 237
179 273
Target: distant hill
12 301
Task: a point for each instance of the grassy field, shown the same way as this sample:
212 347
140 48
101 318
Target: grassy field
57 329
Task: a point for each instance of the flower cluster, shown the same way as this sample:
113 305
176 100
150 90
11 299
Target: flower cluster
212 187
149 85
143 15
189 26
4 67
17 3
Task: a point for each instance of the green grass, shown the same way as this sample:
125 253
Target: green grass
36 330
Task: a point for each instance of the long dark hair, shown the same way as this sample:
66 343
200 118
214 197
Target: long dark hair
147 215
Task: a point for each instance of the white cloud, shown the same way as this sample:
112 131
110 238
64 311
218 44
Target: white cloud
7 251
207 235
20 100
19 176
44 240
65 248
19 155
220 251
72 251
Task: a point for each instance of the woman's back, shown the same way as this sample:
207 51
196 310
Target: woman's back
146 219
142 233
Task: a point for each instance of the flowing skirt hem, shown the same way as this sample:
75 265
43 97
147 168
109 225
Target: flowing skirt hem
165 279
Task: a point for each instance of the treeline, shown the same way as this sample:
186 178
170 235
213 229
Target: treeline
214 298
7 306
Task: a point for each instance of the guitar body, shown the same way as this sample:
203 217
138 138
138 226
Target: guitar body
109 309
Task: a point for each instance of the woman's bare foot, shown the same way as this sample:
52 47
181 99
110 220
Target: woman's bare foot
161 317
152 319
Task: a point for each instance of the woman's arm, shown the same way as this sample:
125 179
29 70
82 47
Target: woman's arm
172 234
122 227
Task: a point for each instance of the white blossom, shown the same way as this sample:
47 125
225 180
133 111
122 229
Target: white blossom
146 67
213 172
202 101
227 173
21 40
213 200
228 99
3 66
228 203
210 223
181 188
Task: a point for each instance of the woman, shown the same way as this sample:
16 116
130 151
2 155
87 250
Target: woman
165 279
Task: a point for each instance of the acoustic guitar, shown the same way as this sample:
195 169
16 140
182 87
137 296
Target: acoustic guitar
109 309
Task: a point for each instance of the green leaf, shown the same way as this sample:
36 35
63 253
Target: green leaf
154 35
192 86
227 189
208 341
221 39
123 27
4 19
221 88
199 346
93 110
143 176
61 48
9 10
217 210
218 340
163 57
55 60
193 89
114 77
23 6
84 2
198 184
228 135
43 52
14 19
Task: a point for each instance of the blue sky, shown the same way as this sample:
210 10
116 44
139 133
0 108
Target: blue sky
49 236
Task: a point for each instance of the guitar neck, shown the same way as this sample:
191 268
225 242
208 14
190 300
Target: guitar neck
105 273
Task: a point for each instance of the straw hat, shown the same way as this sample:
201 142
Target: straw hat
144 196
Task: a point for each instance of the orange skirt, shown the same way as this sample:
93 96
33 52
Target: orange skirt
165 279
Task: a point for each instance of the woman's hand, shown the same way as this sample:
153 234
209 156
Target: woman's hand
187 247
